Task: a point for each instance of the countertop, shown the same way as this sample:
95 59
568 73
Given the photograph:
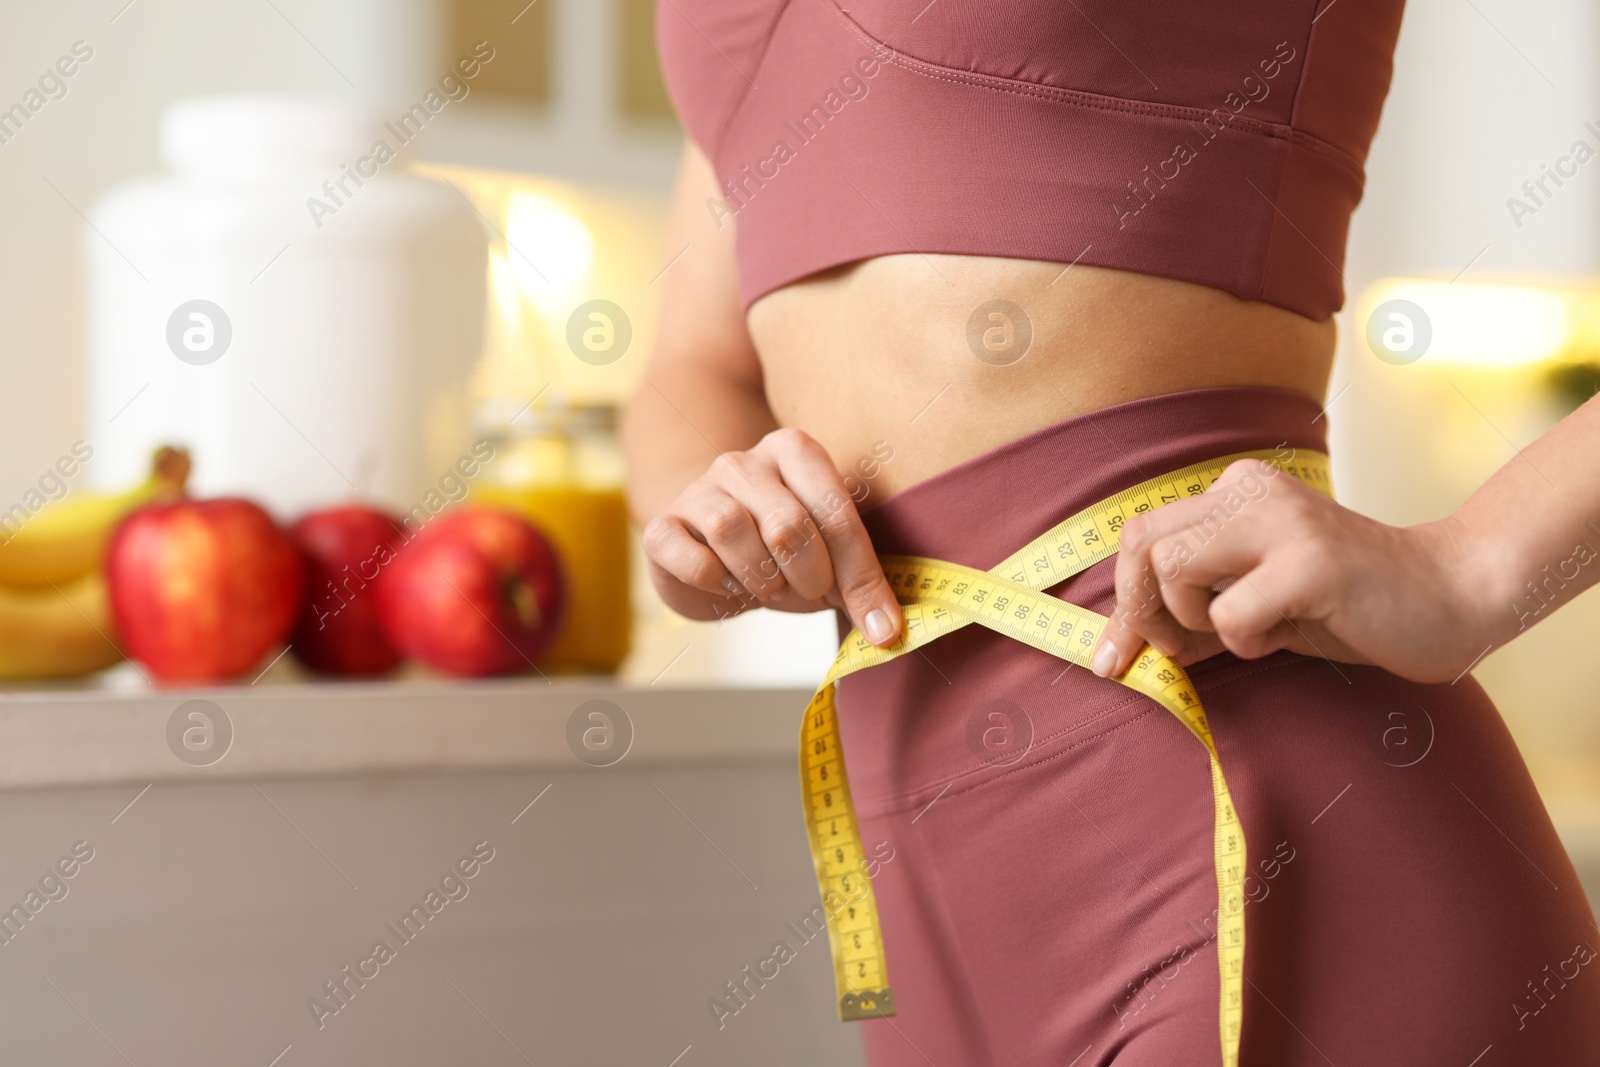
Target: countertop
118 733
121 730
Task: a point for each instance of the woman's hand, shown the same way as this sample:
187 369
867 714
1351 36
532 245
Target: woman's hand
774 527
1260 562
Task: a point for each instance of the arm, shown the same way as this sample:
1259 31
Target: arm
702 390
1302 573
736 511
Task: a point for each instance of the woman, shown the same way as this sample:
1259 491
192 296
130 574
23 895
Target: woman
952 272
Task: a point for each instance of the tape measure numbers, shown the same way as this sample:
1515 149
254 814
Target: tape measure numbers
938 598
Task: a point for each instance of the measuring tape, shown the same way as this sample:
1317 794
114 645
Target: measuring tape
938 598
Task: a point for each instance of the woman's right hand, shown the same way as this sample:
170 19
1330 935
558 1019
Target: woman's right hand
771 527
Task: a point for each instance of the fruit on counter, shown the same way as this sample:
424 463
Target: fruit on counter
202 589
477 591
57 632
67 539
589 529
347 554
55 615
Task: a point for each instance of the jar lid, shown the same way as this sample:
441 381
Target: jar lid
507 418
223 132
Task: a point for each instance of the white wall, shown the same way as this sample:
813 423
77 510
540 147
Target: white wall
1468 120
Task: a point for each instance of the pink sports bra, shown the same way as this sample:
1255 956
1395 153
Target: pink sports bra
1213 141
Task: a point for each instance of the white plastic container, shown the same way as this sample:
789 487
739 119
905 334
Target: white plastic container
351 299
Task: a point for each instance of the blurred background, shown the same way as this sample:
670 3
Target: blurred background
564 143
205 152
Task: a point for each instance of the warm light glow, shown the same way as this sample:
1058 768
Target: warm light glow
1483 325
550 247
555 246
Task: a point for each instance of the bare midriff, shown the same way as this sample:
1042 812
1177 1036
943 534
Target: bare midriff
887 352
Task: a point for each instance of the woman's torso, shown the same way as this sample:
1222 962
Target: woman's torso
915 353
1198 162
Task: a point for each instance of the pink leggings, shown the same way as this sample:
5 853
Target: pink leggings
1051 898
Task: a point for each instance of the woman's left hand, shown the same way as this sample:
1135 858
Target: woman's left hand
1260 562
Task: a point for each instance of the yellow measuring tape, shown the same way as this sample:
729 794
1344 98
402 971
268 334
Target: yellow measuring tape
938 598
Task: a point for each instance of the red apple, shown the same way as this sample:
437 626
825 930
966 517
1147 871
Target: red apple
202 589
347 552
478 591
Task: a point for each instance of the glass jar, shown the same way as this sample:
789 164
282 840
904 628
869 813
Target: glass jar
561 467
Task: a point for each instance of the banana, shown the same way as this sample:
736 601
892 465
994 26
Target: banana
57 631
66 539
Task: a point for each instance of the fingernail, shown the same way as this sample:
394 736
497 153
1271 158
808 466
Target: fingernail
1105 659
730 585
876 626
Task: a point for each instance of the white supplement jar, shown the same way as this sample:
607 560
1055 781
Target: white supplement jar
289 304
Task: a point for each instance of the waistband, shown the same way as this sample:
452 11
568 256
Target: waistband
981 511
